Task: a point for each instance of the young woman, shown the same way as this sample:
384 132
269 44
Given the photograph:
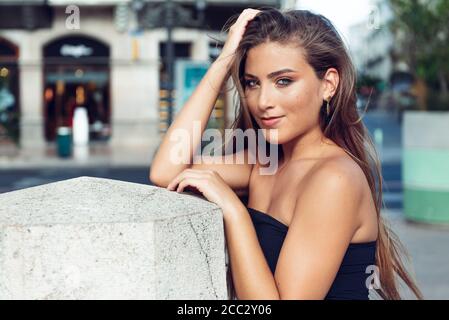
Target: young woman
312 229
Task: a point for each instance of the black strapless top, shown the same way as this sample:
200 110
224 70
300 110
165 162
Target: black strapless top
350 281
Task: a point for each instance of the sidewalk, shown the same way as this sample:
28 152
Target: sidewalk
95 155
427 246
104 154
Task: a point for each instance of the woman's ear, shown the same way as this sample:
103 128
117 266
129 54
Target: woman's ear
330 81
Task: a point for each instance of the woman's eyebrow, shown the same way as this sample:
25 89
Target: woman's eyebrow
273 74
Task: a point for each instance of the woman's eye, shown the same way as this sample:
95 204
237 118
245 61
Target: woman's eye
284 82
250 83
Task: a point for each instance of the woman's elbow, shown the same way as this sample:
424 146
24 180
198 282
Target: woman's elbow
158 179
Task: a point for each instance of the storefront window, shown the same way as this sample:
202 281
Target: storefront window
76 74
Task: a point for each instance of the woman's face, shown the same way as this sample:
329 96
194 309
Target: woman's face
280 83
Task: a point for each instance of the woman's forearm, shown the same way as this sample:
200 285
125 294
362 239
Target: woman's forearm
251 274
196 111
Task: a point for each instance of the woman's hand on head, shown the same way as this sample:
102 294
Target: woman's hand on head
237 30
210 184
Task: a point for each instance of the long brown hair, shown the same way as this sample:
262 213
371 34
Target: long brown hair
325 49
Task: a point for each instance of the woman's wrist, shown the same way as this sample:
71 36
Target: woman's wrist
224 60
218 73
233 209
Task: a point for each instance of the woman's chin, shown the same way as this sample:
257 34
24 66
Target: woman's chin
274 141
272 136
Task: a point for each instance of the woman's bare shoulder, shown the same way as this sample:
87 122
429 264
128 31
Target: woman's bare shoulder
338 168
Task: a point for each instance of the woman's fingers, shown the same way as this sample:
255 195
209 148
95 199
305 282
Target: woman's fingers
237 30
244 18
187 182
183 175
176 180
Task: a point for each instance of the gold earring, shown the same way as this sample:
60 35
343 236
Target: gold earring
328 111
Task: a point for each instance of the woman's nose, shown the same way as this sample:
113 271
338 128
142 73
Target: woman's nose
265 98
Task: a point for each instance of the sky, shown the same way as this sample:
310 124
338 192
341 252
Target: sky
342 13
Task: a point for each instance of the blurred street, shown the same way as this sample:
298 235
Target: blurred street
16 179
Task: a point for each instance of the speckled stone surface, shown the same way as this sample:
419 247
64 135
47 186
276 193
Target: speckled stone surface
91 238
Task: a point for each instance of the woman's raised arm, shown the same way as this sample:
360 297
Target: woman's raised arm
197 110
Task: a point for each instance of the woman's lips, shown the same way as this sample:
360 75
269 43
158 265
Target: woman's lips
270 122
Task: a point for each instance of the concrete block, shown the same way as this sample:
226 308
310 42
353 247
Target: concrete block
91 238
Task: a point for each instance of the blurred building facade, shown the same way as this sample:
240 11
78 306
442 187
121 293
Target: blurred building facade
372 43
371 48
109 59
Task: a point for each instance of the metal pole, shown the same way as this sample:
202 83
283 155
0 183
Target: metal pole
170 56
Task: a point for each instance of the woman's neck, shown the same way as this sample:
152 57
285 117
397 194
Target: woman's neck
306 146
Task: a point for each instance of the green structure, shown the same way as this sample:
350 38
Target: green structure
426 166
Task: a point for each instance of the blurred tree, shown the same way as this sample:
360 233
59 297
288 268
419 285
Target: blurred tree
421 31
